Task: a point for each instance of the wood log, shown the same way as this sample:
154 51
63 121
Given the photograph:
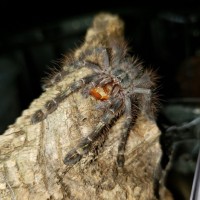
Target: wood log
31 155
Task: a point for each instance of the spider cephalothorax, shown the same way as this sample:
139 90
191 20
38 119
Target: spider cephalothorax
119 82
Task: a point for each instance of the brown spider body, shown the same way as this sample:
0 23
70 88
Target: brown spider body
118 81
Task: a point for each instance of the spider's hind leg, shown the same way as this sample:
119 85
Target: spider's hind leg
85 144
130 118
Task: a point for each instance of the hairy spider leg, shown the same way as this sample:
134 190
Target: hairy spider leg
98 50
52 105
66 70
84 146
78 64
49 82
118 53
128 122
148 106
105 58
146 95
60 74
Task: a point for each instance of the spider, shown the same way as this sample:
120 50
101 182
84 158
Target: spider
121 85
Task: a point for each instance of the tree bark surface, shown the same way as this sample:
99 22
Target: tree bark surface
31 155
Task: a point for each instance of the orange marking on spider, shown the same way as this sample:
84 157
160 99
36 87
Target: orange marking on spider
100 93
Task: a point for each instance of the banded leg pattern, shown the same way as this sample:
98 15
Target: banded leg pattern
52 105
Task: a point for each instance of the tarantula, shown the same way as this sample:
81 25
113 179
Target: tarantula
119 82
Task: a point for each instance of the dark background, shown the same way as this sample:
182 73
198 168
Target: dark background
35 35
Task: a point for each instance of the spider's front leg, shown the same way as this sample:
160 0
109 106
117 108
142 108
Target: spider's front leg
98 52
59 76
115 106
52 105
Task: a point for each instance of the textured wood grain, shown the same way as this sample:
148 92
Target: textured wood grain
31 156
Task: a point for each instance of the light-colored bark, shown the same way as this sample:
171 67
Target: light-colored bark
31 156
